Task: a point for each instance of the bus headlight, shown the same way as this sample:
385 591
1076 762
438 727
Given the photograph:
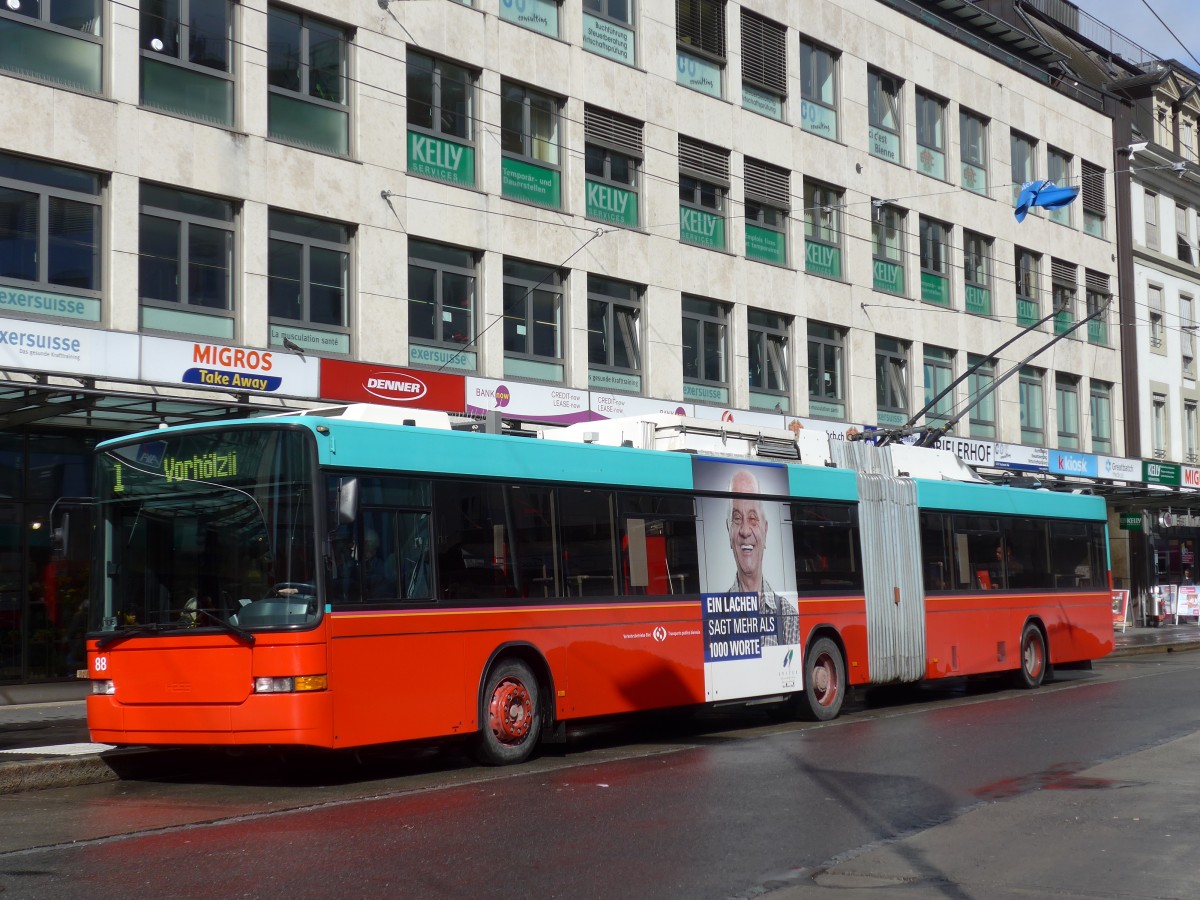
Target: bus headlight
290 684
104 686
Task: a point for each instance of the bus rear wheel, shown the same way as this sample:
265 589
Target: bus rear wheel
824 681
511 714
1033 657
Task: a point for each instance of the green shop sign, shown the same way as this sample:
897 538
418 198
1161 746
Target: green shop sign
889 277
979 300
1161 473
935 289
532 184
822 259
1027 312
612 204
699 227
1131 521
705 393
443 160
766 245
600 380
61 306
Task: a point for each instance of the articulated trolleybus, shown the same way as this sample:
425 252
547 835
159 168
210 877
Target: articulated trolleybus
344 577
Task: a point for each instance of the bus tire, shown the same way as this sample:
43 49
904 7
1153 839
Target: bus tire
824 682
1033 657
511 714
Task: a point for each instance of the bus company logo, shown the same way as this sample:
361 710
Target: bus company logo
787 659
503 396
660 634
395 386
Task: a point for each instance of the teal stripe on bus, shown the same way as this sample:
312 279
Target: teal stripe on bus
991 498
822 482
410 449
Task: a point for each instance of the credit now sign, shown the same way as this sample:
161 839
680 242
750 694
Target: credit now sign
366 383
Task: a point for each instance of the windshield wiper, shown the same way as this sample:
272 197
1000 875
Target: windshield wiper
236 631
128 631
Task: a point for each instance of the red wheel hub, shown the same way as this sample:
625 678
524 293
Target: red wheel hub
825 680
510 712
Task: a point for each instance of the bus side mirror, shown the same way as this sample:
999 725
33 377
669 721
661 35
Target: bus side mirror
347 502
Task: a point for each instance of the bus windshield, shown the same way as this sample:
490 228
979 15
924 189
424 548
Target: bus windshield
205 530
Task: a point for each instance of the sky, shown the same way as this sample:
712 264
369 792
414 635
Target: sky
1135 21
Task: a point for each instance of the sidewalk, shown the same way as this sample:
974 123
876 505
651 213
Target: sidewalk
44 739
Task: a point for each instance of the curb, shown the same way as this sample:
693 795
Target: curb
1145 649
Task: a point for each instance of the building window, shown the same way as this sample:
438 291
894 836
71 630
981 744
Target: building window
972 135
887 240
308 282
1184 248
529 165
1024 168
764 65
826 371
1154 303
818 90
608 29
307 101
931 135
935 263
536 15
703 186
768 190
441 119
1158 425
1066 399
1058 171
939 373
768 358
977 273
1101 415
1064 284
705 350
1031 389
1150 207
1189 431
441 306
186 64
533 321
614 335
1095 198
700 48
612 165
185 262
1098 297
822 230
981 400
883 113
1187 334
891 381
58 41
1028 269
50 240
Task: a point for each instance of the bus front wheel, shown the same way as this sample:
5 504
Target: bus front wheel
512 717
824 681
1033 657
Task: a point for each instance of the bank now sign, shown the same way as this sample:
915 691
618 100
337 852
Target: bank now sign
365 383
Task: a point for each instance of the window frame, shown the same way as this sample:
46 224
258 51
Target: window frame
938 362
43 26
981 418
601 292
1031 391
1026 173
552 283
437 112
185 221
932 139
891 379
970 160
761 53
1150 213
811 53
696 49
977 271
45 193
1092 180
1027 284
767 195
704 166
827 233
303 93
880 102
1058 170
934 236
307 244
530 142
440 269
197 72
1100 412
707 315
615 137
768 337
1066 410
593 8
1156 312
826 346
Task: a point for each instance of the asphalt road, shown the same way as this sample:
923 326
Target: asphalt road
1002 784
